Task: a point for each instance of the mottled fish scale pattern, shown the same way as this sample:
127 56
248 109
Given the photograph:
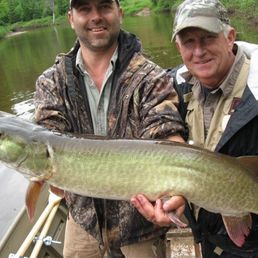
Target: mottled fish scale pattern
119 169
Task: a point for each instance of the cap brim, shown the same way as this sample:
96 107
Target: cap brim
71 3
211 24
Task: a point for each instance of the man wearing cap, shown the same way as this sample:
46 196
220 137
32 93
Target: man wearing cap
105 86
219 102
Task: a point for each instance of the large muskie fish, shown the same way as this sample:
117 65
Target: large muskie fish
120 169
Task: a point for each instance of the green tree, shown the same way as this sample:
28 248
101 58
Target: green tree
15 11
4 10
47 10
62 6
12 11
28 9
38 10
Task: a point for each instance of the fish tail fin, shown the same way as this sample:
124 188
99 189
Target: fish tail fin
238 228
32 195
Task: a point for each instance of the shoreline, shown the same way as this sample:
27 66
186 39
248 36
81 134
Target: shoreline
14 33
20 29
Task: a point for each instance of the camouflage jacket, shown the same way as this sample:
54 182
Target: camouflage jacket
143 105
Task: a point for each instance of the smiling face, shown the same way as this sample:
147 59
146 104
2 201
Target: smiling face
96 23
208 56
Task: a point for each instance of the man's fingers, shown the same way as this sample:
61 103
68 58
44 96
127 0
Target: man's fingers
158 214
144 206
175 203
161 217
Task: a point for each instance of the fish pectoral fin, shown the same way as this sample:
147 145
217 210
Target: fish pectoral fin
238 228
174 218
57 191
32 195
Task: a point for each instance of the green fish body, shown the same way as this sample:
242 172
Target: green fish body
120 169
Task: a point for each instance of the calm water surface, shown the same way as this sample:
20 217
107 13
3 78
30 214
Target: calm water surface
25 56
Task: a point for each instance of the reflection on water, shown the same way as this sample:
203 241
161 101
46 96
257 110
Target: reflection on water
25 56
24 109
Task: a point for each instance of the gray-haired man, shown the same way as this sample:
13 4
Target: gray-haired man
219 102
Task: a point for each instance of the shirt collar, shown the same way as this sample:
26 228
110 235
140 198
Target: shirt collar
80 64
228 84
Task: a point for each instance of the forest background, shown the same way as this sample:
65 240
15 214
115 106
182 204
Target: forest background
18 15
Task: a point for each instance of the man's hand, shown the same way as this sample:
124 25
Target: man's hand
162 213
157 212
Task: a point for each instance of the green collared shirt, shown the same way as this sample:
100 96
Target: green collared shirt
98 100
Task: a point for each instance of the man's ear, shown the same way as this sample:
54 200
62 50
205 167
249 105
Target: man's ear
177 44
121 15
231 37
70 18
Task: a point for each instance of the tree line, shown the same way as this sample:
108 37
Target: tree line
12 11
245 4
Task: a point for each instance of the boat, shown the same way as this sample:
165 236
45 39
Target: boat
19 237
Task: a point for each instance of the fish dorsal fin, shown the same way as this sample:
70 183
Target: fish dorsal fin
238 228
251 163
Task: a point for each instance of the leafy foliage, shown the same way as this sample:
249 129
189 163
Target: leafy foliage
12 11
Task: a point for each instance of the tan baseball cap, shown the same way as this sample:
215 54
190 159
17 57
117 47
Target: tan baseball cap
208 15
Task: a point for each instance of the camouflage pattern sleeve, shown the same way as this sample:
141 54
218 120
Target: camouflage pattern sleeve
158 107
49 104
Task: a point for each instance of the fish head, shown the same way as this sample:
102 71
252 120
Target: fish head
30 158
10 150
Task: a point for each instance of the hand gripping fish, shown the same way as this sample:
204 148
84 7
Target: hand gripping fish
120 169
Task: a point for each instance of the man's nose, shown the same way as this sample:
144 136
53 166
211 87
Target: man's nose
199 49
95 14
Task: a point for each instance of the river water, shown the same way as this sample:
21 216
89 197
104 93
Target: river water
25 56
